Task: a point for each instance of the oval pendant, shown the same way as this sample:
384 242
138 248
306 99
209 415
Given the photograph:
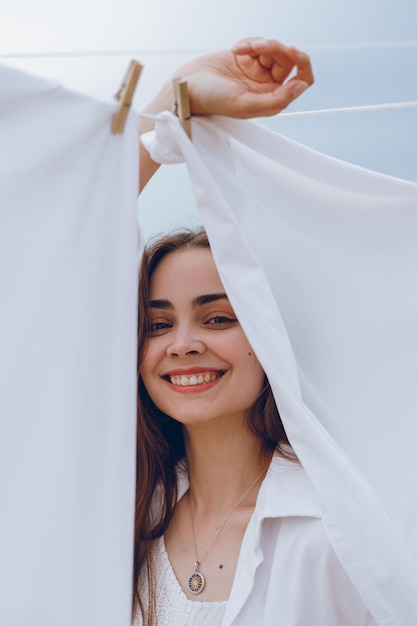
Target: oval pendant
196 582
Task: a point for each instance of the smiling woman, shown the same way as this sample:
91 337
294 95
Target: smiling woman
198 364
216 477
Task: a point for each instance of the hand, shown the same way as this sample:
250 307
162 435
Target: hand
251 80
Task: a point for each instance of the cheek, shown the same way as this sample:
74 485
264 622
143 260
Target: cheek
148 363
258 375
151 380
253 375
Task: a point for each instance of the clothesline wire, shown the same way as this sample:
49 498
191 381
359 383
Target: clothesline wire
408 104
161 52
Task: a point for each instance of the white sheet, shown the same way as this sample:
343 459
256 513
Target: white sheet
68 290
319 259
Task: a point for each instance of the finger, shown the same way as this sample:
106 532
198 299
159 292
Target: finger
265 105
294 88
271 55
280 69
250 45
303 63
286 58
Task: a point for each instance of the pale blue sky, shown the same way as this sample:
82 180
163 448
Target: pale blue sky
363 51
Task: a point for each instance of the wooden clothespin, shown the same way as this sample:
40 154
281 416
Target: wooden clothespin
125 96
182 104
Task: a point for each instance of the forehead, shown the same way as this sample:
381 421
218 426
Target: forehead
185 273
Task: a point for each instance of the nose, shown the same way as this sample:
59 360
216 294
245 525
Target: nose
185 342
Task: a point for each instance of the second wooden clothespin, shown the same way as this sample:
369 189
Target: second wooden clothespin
125 96
182 104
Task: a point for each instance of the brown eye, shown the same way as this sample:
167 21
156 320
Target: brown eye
221 320
158 327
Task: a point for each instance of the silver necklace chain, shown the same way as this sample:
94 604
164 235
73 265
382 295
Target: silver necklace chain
196 581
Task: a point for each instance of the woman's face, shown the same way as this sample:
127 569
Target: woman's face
198 366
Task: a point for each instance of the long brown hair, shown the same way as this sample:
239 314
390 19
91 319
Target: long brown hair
160 443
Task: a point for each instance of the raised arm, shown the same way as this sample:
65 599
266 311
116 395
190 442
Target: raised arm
250 80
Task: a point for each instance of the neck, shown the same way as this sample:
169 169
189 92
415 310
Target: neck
222 466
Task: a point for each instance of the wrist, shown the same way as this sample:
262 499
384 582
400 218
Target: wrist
163 101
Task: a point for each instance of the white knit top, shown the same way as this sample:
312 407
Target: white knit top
172 605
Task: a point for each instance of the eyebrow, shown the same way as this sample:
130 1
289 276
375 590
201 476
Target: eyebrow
197 301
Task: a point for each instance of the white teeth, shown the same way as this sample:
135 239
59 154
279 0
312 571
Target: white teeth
193 379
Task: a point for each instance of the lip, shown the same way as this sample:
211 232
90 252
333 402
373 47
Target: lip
189 371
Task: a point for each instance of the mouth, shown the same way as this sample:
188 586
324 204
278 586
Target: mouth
196 379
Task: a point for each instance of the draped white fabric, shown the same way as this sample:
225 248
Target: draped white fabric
68 275
319 259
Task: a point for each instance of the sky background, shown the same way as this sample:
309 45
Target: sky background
363 51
